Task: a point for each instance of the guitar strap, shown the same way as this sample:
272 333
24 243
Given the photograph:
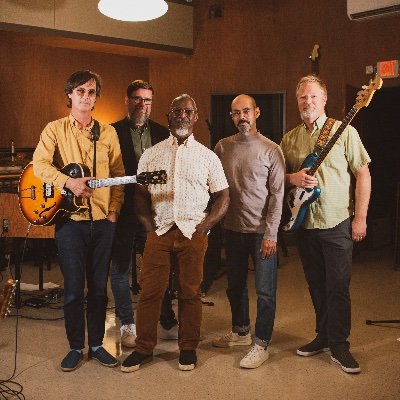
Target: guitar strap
324 135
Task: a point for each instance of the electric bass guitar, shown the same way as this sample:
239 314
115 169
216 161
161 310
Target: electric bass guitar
6 297
43 204
297 200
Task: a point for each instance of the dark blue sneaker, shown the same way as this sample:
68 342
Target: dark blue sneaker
71 360
103 357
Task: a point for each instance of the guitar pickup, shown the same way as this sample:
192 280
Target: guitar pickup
48 191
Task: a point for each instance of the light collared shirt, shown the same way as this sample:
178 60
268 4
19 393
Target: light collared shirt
193 171
62 143
348 155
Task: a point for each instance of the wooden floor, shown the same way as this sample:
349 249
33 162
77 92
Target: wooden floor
375 295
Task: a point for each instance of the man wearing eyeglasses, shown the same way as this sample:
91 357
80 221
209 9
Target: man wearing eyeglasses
136 133
84 239
177 224
255 169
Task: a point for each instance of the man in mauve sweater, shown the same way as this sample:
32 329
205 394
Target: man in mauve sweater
255 170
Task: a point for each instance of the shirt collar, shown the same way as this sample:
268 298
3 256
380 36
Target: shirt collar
74 123
318 123
187 143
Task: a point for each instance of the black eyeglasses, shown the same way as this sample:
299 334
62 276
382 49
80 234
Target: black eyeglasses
238 113
178 111
138 99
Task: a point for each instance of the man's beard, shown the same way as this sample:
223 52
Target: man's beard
182 132
244 127
139 118
309 113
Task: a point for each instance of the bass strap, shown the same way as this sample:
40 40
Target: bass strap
323 135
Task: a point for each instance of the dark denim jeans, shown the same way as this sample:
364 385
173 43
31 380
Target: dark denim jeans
121 264
326 255
239 246
84 251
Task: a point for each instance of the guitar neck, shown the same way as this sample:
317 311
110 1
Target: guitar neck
120 180
321 157
314 68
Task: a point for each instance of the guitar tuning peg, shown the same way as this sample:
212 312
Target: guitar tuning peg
364 86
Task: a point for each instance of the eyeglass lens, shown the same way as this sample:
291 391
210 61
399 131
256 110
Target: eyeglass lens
138 99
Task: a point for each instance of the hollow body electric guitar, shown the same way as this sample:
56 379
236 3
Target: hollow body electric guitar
297 199
43 204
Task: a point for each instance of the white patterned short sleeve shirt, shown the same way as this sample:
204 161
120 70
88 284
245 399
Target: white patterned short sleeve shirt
193 171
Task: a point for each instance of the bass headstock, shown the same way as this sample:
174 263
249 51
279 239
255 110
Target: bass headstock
364 96
152 178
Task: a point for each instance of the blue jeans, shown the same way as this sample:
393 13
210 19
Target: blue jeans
239 246
84 251
127 235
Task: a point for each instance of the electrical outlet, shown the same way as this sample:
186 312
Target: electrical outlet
5 225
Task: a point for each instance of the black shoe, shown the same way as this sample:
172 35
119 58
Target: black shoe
103 357
134 361
347 362
187 360
318 345
71 360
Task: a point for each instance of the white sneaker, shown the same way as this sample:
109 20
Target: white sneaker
255 357
232 339
128 335
169 334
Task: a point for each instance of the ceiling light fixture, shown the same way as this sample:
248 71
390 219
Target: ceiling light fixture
133 10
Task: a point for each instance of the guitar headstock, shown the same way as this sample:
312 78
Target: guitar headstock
364 96
314 52
6 297
152 178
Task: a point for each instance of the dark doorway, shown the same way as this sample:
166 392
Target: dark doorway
378 126
271 122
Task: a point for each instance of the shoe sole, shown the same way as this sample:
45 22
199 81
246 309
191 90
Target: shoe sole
187 367
130 369
134 368
253 365
345 369
231 344
311 353
106 365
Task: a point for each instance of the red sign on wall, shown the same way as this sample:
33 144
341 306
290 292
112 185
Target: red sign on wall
388 69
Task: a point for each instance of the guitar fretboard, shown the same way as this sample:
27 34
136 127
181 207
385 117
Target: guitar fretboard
350 115
99 183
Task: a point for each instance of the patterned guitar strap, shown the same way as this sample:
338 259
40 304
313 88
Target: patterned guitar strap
323 136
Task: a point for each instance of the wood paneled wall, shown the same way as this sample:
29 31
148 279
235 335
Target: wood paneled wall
258 45
33 78
264 45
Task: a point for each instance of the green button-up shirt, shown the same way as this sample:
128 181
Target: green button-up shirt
141 139
336 202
